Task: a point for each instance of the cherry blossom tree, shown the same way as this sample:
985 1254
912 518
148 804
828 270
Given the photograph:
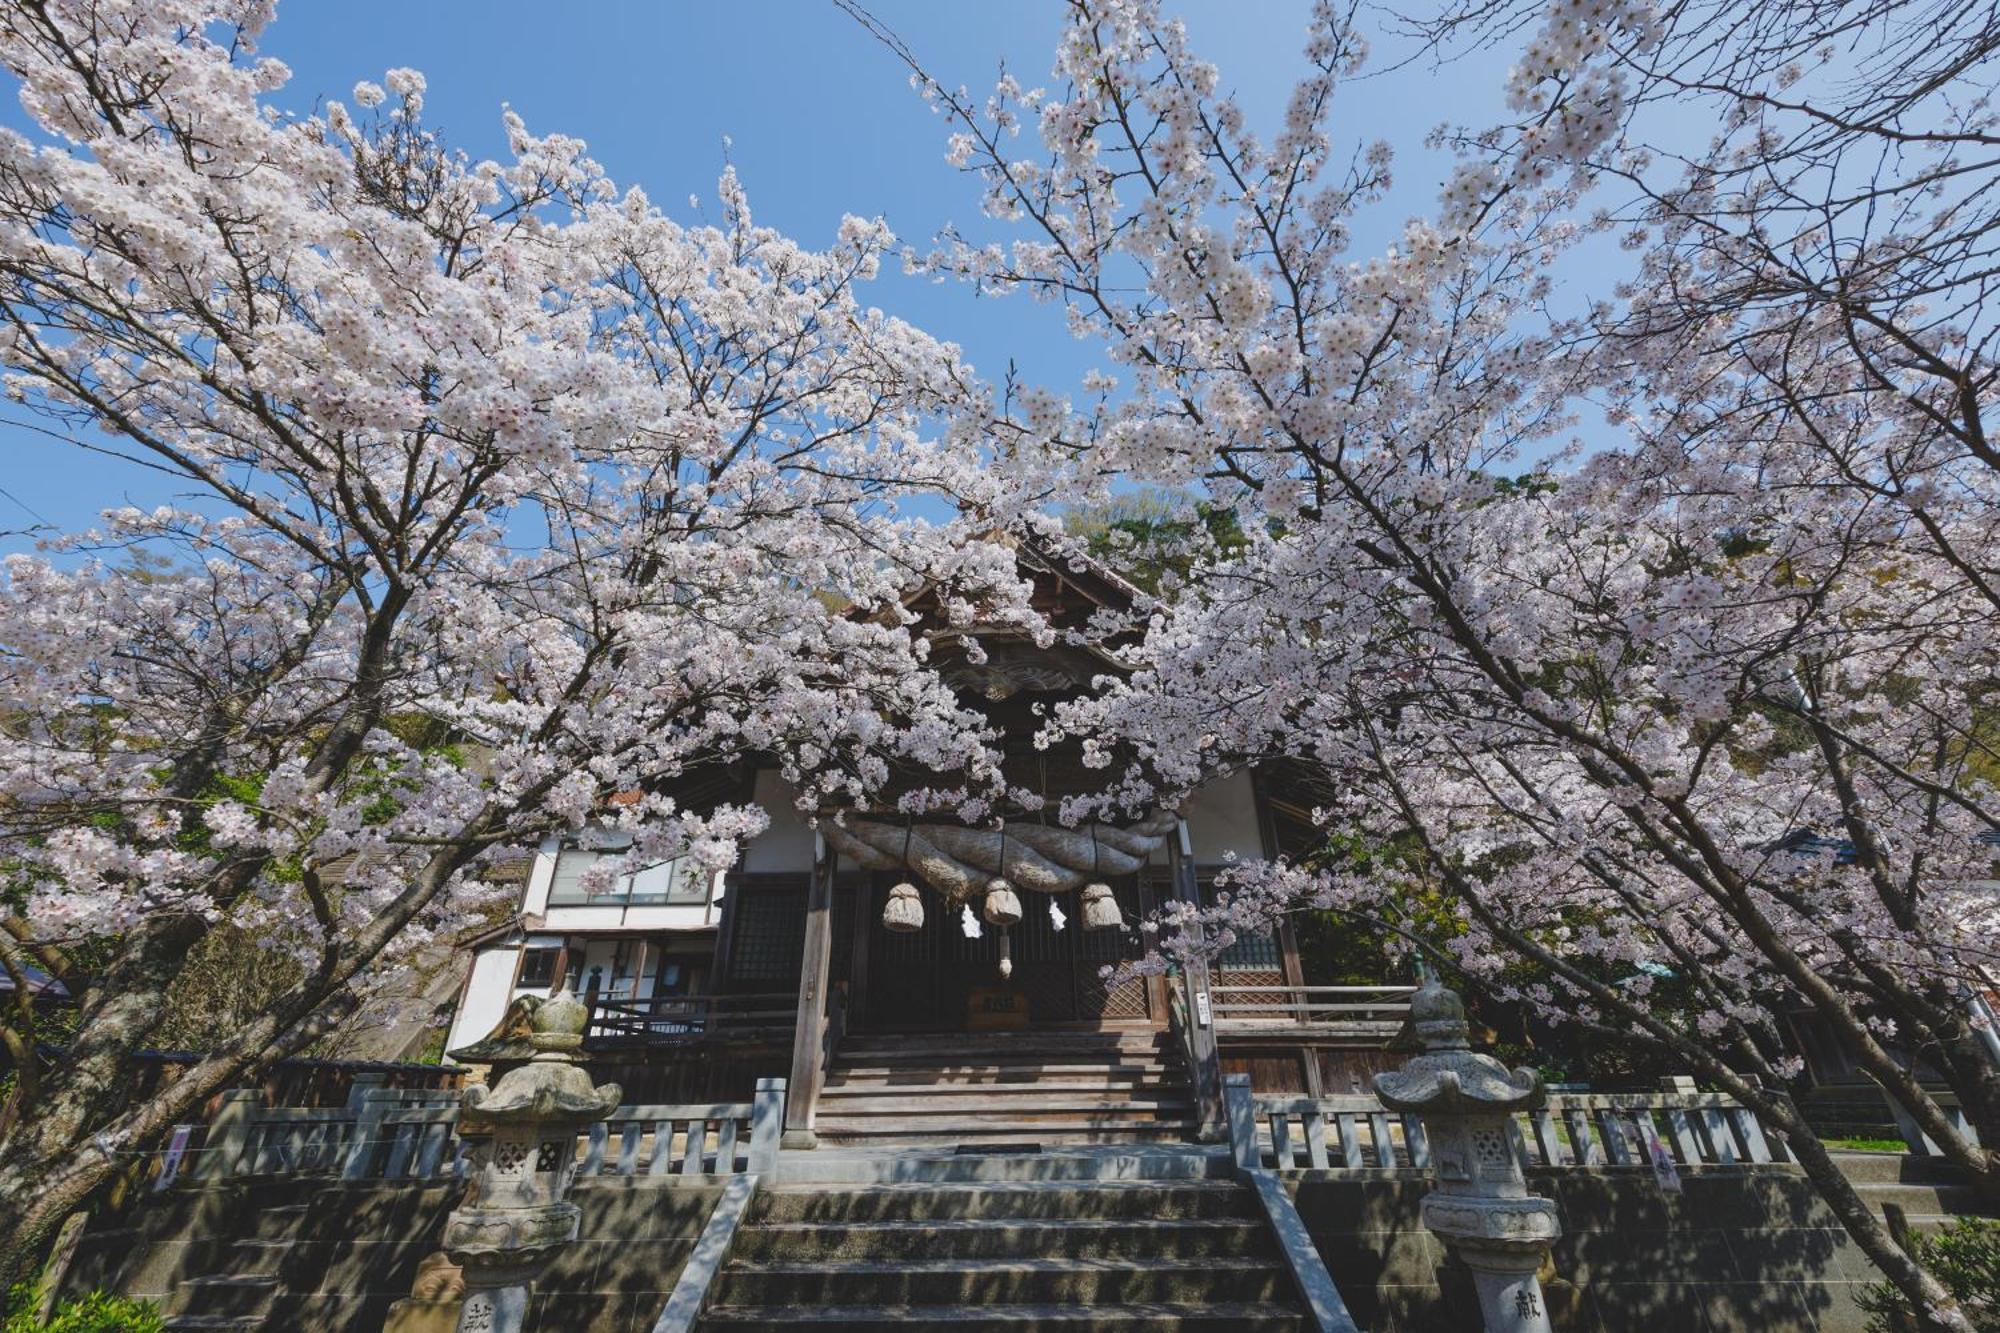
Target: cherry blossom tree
1713 699
496 492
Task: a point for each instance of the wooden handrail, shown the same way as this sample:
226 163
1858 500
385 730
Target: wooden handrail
1365 1008
1227 985
686 1017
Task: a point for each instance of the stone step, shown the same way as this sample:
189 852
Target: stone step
929 1074
961 1053
1073 1133
1120 1160
910 1097
1880 1168
1253 1318
1043 1281
1000 1039
228 1294
257 1257
1055 1077
282 1221
1007 1199
1072 1108
1922 1199
214 1321
1213 1239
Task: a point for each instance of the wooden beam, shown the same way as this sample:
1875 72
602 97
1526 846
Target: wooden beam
809 1033
1207 1071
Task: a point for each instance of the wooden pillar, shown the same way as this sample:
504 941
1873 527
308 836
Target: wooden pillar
1207 1069
857 963
1287 938
809 1035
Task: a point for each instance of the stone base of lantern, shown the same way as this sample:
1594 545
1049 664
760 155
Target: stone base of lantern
485 1240
503 1251
1504 1244
1511 1302
1522 1227
495 1310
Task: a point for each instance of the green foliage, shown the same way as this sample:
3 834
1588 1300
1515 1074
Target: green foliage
1857 1144
96 1312
1145 535
1965 1257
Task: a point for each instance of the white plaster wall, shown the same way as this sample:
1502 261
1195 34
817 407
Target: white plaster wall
1222 820
787 846
633 919
487 994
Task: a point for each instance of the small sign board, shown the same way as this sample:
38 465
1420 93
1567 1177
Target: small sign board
176 1153
1201 1007
1665 1171
995 1009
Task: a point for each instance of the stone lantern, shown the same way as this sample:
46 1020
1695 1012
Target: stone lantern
514 1219
1481 1208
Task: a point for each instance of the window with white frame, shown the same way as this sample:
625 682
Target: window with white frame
679 882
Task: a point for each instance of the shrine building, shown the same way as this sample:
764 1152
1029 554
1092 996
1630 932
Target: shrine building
924 981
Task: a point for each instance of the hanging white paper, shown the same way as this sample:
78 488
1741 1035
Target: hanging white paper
1056 918
969 922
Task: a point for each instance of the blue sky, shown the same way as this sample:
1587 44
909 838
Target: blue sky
821 120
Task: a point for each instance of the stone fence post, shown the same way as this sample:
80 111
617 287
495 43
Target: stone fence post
229 1134
767 1125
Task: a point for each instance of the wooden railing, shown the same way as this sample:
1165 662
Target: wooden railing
387 1134
1360 1010
1572 1129
671 1019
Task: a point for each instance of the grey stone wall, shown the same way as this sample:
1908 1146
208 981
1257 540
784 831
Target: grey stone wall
354 1248
1748 1250
1740 1250
637 1236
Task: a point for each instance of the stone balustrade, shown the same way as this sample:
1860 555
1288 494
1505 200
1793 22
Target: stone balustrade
393 1134
1356 1131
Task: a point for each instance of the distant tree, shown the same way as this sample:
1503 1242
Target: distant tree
1152 537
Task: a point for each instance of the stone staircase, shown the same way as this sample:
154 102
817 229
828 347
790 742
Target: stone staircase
241 1294
1929 1190
1190 1256
1049 1088
1849 1111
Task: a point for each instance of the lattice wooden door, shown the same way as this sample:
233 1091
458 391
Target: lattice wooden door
921 979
